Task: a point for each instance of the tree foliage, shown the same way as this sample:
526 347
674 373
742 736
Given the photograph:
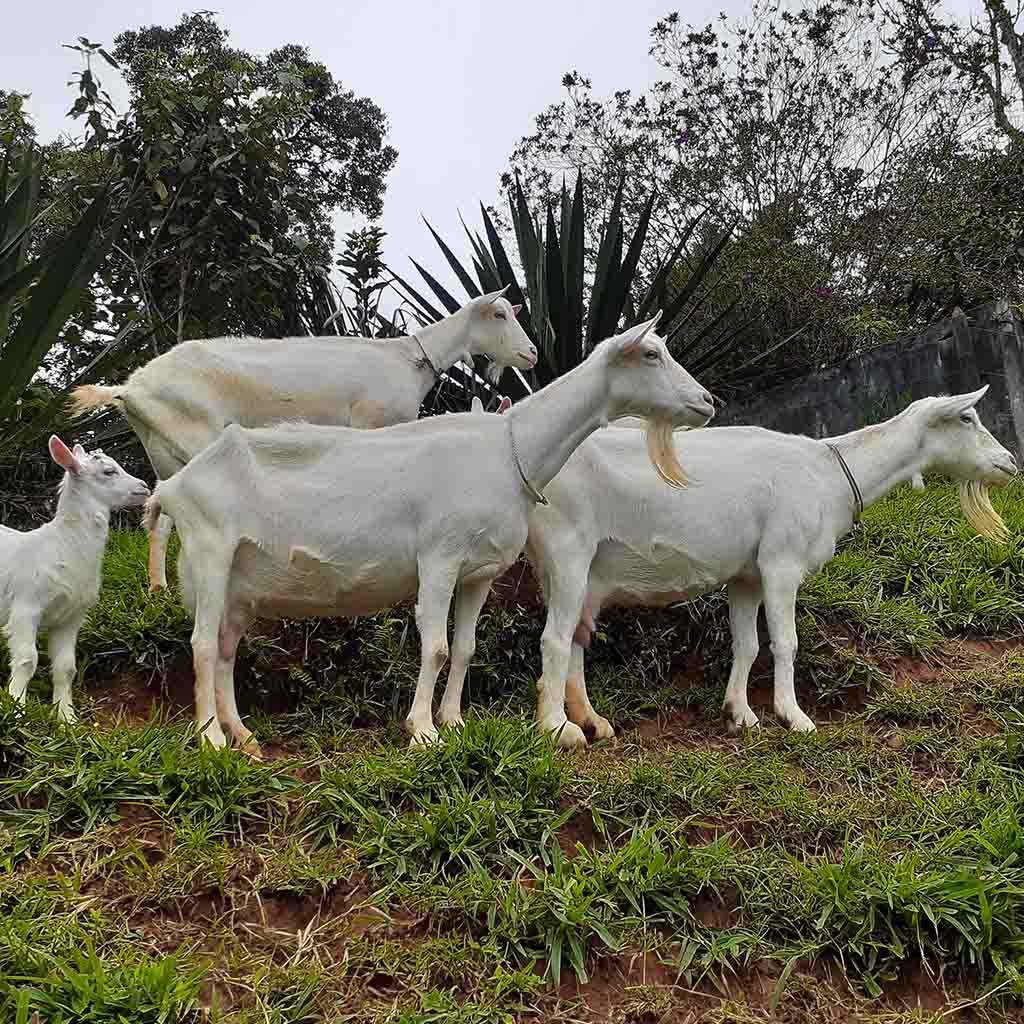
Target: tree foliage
229 167
849 178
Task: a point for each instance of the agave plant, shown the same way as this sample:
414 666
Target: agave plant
57 277
568 308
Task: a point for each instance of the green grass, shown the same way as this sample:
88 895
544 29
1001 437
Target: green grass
674 871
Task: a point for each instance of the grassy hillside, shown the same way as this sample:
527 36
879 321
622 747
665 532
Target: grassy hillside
870 871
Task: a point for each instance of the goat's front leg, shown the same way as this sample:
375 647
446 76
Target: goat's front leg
469 599
744 601
22 627
62 642
565 604
577 702
432 602
780 583
158 539
232 629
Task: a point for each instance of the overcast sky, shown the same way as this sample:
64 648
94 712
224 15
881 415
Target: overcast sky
459 82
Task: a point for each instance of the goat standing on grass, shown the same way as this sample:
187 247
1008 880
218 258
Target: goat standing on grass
764 512
298 520
179 402
50 577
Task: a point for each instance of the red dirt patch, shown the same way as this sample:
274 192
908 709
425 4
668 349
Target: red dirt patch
578 831
914 670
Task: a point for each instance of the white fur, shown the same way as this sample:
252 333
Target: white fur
300 520
179 402
764 510
50 577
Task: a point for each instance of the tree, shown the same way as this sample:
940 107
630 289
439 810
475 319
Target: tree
987 55
798 123
228 167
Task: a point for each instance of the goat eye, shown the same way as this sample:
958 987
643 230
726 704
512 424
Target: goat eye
109 471
966 418
500 316
651 355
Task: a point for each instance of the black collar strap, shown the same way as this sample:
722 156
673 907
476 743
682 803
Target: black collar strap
851 480
426 358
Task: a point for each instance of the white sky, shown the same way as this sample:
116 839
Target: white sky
459 81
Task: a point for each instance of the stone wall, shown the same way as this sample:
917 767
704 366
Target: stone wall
982 346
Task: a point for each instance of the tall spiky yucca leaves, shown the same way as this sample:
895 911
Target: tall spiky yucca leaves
568 309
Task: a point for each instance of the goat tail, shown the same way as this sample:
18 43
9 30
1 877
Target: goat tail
151 512
92 396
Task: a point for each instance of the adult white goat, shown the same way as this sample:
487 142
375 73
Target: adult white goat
50 577
299 520
765 511
179 402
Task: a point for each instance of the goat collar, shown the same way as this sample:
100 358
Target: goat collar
426 358
530 489
858 499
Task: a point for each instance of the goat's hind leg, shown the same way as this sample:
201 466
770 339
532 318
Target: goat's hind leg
577 702
22 627
210 601
62 642
437 582
233 627
469 600
780 583
744 602
566 591
159 537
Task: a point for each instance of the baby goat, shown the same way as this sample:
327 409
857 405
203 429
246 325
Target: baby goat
50 577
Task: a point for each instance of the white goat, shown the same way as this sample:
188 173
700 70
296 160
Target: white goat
179 402
50 577
299 520
764 511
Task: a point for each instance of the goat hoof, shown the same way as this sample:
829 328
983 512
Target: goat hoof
215 737
738 719
66 715
156 588
455 722
800 723
598 728
251 748
423 738
566 734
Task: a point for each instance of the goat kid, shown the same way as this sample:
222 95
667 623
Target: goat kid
300 520
179 402
50 577
764 512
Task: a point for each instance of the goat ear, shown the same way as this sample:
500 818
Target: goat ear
627 342
494 296
63 455
954 405
476 405
79 451
516 308
504 405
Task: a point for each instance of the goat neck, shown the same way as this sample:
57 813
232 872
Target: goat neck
881 456
552 423
444 343
84 516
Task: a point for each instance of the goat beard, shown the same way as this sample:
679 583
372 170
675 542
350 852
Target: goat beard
662 451
977 509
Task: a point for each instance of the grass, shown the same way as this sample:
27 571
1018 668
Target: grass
871 871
